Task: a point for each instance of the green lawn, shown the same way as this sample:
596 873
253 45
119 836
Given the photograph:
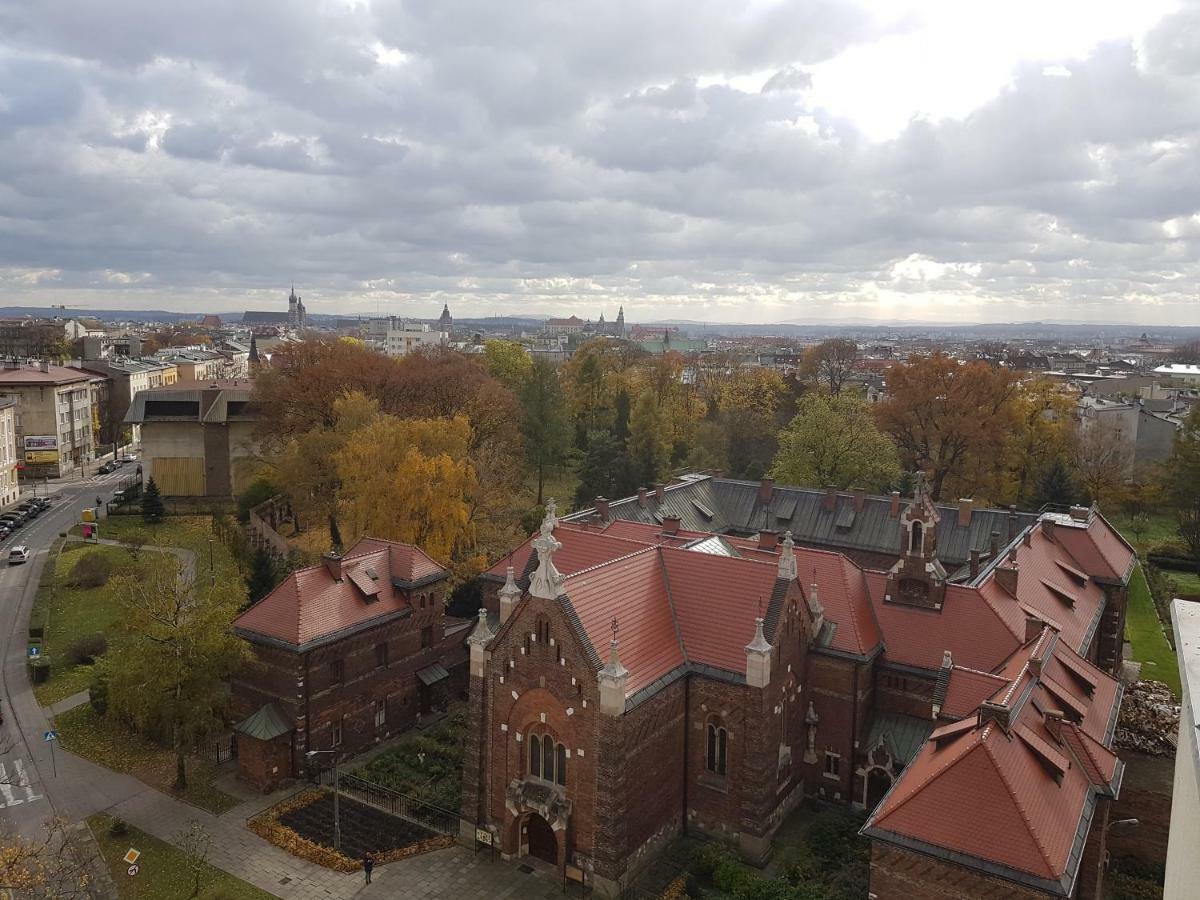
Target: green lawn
1146 636
69 613
190 532
425 764
163 870
1159 527
104 741
1187 583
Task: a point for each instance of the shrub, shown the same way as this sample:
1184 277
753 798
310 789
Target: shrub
1129 887
117 827
833 836
98 692
86 649
134 541
707 857
92 570
260 491
733 877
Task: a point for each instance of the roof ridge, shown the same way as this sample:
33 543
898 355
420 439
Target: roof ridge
1012 795
981 672
609 562
850 602
671 606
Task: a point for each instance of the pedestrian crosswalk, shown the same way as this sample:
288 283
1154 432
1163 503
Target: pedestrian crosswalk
15 788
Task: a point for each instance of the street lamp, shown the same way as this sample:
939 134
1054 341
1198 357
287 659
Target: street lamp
337 819
212 572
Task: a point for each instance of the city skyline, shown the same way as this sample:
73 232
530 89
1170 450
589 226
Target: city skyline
838 162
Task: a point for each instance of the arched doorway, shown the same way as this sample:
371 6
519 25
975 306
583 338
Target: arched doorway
543 843
879 782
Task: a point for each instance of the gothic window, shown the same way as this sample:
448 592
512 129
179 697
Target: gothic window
427 636
917 543
535 756
381 655
547 759
337 671
380 713
718 741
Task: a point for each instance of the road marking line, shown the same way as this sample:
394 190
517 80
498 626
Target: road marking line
23 781
10 799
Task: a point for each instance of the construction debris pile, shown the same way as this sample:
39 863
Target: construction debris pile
1149 720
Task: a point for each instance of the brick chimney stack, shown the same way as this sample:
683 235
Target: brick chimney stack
860 498
767 540
670 525
995 544
829 502
642 497
660 492
602 508
894 512
1080 513
766 490
974 562
965 507
333 563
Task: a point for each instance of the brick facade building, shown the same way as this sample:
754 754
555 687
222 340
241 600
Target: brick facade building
633 679
345 654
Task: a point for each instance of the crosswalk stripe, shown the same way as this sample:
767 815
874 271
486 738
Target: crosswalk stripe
23 781
10 798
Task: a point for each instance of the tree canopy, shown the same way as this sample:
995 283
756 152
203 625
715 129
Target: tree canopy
833 441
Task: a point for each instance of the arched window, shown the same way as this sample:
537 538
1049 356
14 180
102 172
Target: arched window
917 543
547 759
718 740
535 756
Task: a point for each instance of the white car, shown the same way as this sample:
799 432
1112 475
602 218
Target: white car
18 555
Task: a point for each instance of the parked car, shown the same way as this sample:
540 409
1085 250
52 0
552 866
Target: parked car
18 555
14 520
106 468
30 509
5 531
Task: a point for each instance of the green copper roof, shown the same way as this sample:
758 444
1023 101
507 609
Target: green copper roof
265 725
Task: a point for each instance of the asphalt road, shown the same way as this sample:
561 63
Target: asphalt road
30 791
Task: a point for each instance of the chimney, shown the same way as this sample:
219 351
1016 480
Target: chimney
602 508
995 544
894 512
642 497
1048 528
670 525
965 507
1006 576
1012 522
767 540
860 498
44 365
830 499
660 492
333 562
1053 719
1027 537
1080 513
974 562
766 490
1033 627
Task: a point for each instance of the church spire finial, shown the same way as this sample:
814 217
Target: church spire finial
547 580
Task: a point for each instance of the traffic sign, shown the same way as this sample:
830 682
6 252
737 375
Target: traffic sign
131 856
35 652
50 736
133 870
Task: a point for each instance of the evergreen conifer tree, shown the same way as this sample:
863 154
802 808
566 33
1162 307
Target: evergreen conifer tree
152 503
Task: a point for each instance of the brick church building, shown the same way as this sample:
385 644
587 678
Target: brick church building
345 654
704 655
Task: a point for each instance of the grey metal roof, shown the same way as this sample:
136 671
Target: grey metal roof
265 724
736 509
901 735
432 674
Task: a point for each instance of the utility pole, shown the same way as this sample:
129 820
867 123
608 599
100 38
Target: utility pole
337 818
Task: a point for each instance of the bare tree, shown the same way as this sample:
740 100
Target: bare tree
830 363
1103 457
62 865
194 842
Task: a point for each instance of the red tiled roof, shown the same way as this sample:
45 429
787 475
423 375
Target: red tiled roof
967 689
582 548
1098 549
842 591
310 604
1010 798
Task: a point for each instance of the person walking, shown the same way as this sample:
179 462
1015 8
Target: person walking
368 865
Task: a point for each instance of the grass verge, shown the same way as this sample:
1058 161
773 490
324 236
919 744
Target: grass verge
1146 637
190 532
164 872
69 613
98 738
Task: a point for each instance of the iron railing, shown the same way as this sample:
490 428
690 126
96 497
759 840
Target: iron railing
420 812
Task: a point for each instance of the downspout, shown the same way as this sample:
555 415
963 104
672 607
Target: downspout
687 727
853 736
307 694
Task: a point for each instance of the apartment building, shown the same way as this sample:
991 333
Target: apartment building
56 421
9 488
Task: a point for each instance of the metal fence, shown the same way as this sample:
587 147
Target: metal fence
221 750
442 821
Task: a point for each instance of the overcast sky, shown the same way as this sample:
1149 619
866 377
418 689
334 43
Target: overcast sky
697 159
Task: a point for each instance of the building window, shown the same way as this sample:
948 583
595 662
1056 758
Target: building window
718 742
547 759
427 636
381 655
917 544
380 713
337 731
833 765
337 671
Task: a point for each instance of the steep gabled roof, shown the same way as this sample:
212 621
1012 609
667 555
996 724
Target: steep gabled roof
311 607
1010 792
